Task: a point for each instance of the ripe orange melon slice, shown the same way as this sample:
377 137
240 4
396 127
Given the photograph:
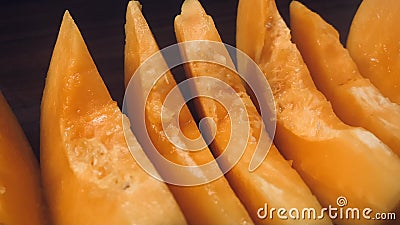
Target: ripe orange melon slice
373 43
21 200
274 182
89 174
210 203
354 99
334 159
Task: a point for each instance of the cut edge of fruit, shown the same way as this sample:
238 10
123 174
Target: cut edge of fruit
289 104
90 123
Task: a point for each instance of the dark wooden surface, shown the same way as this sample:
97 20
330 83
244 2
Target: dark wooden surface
29 30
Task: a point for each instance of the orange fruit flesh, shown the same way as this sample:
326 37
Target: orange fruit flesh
333 159
274 182
20 188
373 43
89 174
354 99
211 203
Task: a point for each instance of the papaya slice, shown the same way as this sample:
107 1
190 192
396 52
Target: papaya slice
274 182
21 200
89 174
373 43
354 99
334 159
209 203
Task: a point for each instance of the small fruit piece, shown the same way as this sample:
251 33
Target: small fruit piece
334 159
89 174
21 200
354 99
210 203
373 43
274 182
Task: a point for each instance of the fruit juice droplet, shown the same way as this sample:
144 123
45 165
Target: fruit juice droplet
2 190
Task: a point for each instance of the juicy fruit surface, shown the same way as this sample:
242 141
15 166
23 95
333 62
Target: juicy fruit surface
337 76
373 43
20 188
89 175
274 182
211 203
334 159
97 150
98 155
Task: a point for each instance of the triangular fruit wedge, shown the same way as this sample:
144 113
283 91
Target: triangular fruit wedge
373 43
354 99
274 182
338 162
89 174
20 187
210 203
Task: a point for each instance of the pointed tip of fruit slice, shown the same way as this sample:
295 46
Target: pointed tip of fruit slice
67 16
136 30
295 9
73 79
295 4
68 26
192 7
133 5
193 10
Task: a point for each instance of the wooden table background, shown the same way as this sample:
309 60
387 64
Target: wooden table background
29 30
